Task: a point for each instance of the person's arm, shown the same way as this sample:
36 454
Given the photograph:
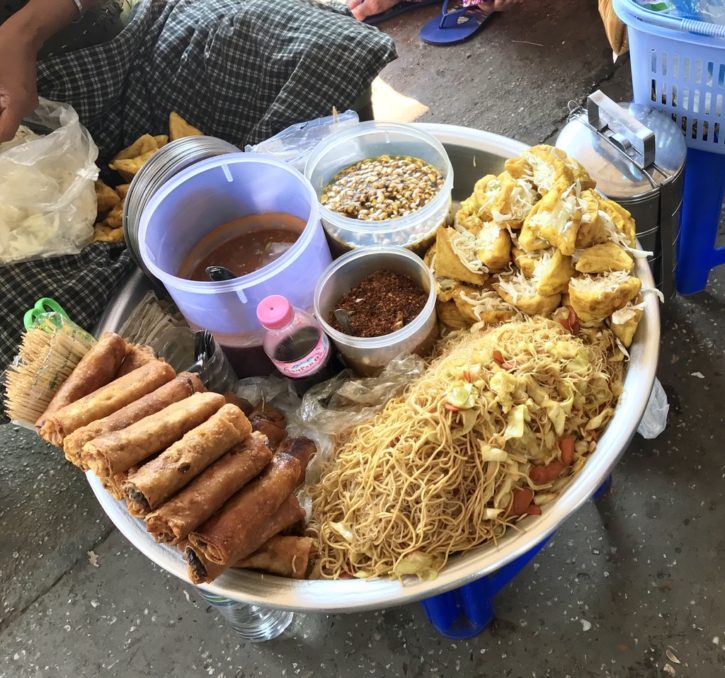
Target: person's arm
21 37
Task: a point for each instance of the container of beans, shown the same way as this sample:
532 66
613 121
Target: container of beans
376 303
381 184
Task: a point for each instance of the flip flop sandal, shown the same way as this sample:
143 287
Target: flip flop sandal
397 10
454 26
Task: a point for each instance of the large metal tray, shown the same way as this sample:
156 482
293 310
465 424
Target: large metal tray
473 153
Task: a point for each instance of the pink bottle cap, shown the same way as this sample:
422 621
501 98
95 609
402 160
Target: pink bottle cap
274 312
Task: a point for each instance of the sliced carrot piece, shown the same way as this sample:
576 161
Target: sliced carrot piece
566 447
546 473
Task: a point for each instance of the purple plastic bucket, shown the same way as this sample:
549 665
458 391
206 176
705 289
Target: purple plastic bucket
216 191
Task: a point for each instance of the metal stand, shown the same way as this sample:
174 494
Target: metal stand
468 610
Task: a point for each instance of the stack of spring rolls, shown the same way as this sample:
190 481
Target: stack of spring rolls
213 477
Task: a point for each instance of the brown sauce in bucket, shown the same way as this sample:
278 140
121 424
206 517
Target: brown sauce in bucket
244 245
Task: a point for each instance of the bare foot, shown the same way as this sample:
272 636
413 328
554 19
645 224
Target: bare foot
362 9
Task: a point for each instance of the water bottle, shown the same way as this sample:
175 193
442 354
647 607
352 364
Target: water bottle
253 623
294 342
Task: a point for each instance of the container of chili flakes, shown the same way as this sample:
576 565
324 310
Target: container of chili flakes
379 184
388 297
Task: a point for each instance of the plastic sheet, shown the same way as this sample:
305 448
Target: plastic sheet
654 420
709 11
47 197
293 145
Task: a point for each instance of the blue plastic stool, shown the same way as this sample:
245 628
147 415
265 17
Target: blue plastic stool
466 611
702 204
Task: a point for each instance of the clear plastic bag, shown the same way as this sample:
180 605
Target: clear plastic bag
294 144
47 195
654 420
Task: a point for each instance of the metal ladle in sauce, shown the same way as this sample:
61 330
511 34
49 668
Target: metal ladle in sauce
219 273
343 318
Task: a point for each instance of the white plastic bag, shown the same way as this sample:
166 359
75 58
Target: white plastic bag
47 196
654 420
294 144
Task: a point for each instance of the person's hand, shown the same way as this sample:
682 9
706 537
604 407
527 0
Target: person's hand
18 94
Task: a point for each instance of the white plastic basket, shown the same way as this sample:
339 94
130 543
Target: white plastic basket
678 67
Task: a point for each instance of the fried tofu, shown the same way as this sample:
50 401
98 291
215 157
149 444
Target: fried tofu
448 289
529 241
450 316
114 219
578 172
526 261
106 197
129 167
595 297
624 323
617 221
521 293
604 258
456 258
122 190
556 219
552 273
467 215
493 247
179 128
429 257
141 146
546 165
591 230
483 305
513 202
486 191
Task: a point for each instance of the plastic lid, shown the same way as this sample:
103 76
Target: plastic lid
274 312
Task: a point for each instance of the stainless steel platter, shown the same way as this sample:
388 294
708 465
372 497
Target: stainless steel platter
473 153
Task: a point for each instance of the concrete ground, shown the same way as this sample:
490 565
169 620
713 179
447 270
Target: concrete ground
630 587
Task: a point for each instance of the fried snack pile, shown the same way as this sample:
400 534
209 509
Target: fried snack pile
538 240
205 477
109 223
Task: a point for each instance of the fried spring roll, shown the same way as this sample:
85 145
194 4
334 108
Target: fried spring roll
274 434
136 356
230 534
106 400
182 386
285 556
175 468
114 484
95 369
242 403
208 492
118 451
200 570
271 413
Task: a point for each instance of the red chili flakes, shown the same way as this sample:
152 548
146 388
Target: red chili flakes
380 304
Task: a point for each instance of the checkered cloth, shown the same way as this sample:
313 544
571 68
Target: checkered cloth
81 284
241 70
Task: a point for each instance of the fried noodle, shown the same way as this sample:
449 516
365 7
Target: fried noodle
434 473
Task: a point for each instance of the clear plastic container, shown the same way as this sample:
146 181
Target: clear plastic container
368 140
367 356
213 192
251 622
